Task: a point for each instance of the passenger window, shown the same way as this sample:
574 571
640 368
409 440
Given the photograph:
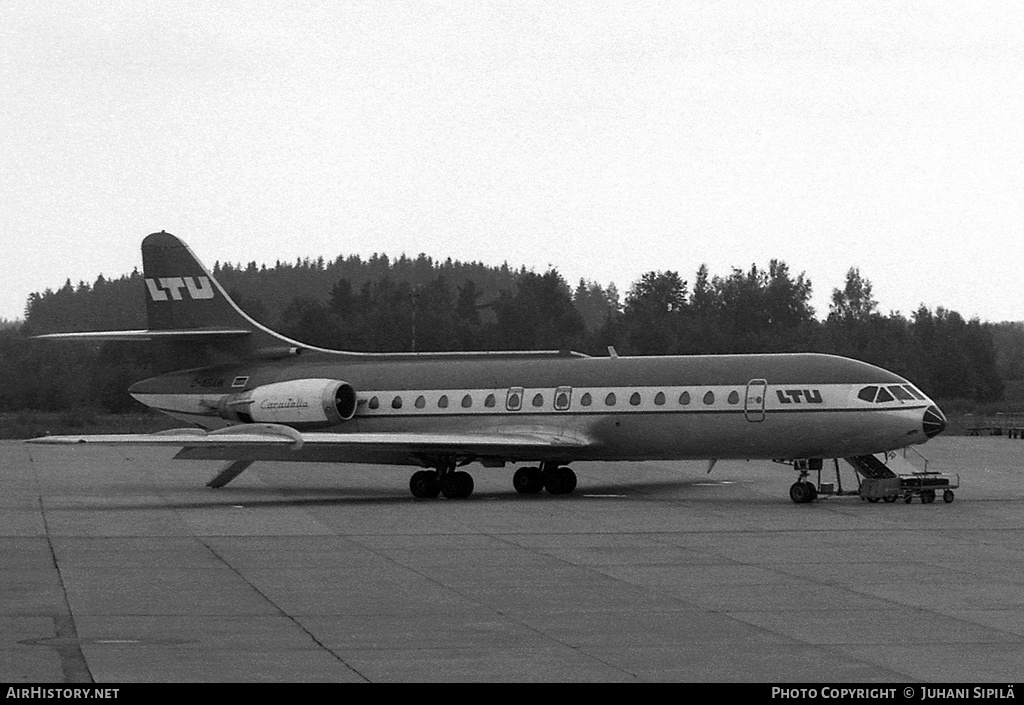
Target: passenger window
374 402
634 399
586 399
868 393
610 399
900 393
734 397
396 403
659 399
421 401
467 401
442 403
514 400
684 398
709 398
562 396
883 395
538 399
490 401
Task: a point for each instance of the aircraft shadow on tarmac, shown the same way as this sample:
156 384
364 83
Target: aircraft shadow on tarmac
278 497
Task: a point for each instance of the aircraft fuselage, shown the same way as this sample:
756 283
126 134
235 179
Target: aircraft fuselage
799 405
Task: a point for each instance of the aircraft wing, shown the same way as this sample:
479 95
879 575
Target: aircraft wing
250 439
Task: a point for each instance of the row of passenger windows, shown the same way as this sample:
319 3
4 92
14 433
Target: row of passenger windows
659 399
514 401
903 392
442 402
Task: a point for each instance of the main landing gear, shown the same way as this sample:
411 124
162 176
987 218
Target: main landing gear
556 479
458 484
446 480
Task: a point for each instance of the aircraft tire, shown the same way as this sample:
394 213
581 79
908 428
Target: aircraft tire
457 485
800 492
570 480
425 484
528 480
560 480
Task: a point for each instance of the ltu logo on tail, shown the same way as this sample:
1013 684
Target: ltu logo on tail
198 289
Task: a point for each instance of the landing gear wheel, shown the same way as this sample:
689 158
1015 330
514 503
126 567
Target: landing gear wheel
948 496
801 492
570 481
528 481
457 485
559 480
425 484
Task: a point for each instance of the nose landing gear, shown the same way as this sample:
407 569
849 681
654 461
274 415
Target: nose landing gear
803 491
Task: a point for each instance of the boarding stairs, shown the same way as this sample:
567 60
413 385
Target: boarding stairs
870 467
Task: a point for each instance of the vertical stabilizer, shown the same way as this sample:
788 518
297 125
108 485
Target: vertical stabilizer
180 293
187 307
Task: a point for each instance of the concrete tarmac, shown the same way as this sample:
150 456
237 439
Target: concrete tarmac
121 566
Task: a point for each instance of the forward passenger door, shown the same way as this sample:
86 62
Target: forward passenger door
753 407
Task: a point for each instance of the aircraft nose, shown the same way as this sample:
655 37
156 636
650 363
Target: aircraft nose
933 422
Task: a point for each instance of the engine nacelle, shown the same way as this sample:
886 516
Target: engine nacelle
317 402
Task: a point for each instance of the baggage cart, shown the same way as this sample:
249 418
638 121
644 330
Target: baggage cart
928 486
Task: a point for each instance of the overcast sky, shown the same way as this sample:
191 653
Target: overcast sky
605 139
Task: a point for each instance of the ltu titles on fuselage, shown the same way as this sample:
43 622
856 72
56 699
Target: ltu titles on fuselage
796 396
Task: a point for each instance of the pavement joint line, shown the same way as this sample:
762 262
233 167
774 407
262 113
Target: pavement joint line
280 611
67 644
498 612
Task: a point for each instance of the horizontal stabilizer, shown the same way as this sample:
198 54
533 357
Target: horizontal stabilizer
149 334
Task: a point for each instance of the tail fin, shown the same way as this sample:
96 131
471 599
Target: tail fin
181 294
184 303
184 300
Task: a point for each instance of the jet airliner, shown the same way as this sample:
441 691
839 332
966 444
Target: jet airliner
270 398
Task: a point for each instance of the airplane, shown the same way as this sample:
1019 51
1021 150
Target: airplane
270 398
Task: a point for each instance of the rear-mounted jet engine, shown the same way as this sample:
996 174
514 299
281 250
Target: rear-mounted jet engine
309 403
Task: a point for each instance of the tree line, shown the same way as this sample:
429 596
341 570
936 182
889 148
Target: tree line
421 304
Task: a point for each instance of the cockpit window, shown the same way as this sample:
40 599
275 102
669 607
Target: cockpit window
900 393
913 392
883 395
868 393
